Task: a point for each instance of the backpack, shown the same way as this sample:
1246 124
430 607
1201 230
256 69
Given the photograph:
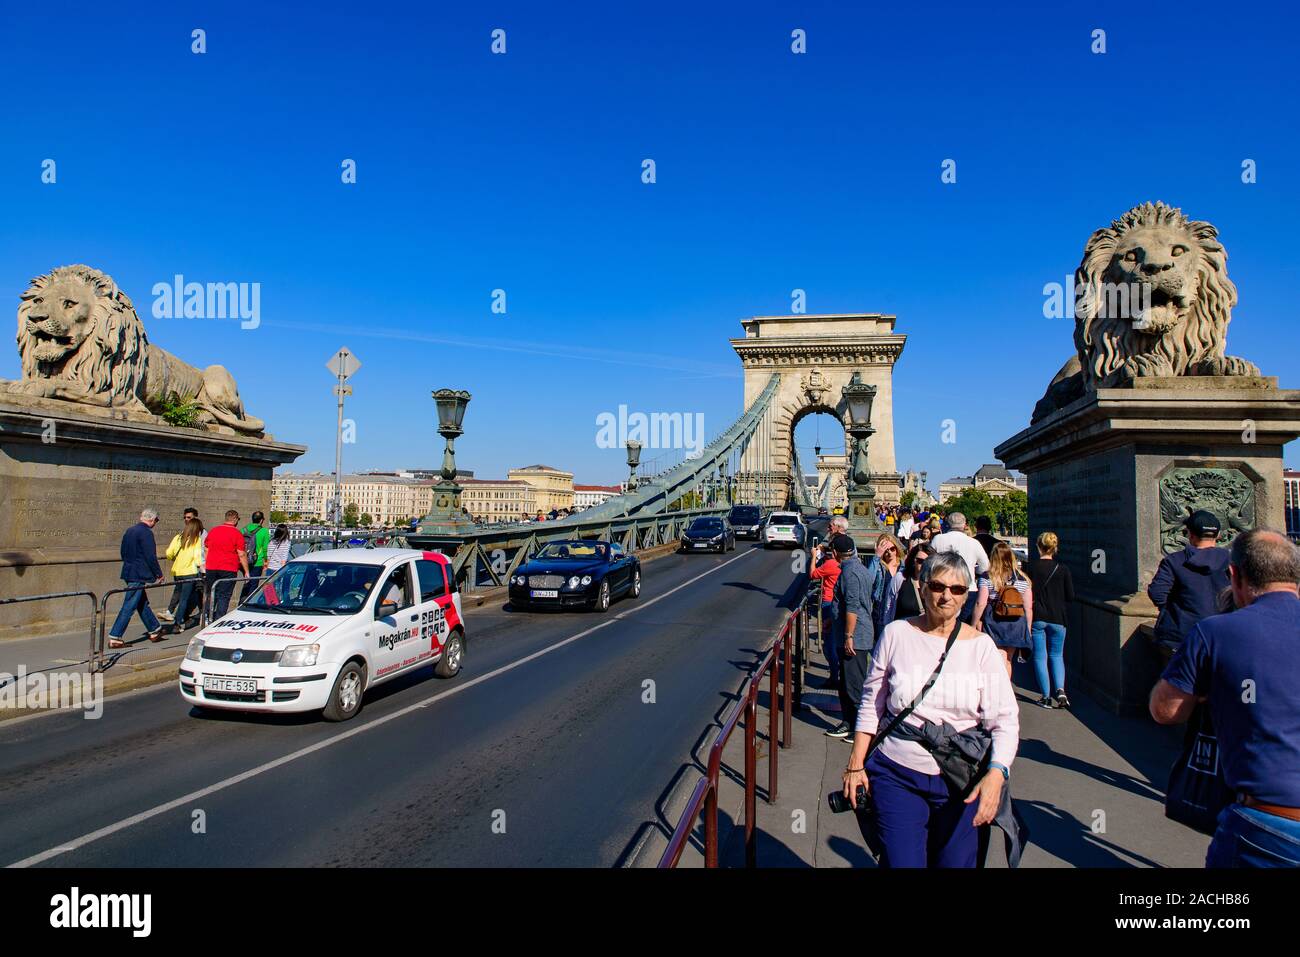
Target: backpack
250 546
1009 603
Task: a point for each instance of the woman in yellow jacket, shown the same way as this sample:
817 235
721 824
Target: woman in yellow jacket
186 555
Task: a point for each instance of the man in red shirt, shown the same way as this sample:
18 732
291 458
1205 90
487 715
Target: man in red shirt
828 572
226 559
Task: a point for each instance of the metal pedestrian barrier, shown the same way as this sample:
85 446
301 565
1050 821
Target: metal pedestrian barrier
778 665
94 609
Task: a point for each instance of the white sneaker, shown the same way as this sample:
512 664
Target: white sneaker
165 616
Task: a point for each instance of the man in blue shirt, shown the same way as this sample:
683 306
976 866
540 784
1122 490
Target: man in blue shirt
139 568
1187 584
854 631
1246 665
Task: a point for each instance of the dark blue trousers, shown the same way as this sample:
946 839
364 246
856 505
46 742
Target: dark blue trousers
919 822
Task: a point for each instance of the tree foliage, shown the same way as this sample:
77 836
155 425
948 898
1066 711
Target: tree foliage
350 513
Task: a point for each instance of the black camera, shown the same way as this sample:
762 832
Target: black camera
839 803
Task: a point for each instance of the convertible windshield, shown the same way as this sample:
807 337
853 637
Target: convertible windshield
706 525
574 550
316 587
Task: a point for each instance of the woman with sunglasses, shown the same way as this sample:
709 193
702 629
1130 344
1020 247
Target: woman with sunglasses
920 822
903 599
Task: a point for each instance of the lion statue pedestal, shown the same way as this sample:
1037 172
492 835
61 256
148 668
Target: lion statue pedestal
83 449
1149 421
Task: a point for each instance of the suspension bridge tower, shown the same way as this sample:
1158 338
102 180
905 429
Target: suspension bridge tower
816 357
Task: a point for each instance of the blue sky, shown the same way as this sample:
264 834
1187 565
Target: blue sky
522 172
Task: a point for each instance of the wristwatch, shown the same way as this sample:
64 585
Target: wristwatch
1006 774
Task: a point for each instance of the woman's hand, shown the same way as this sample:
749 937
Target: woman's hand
851 781
989 793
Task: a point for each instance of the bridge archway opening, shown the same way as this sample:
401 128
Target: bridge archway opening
817 442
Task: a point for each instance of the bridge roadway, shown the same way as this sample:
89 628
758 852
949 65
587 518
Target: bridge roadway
558 748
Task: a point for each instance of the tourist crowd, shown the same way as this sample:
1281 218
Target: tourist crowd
922 638
201 559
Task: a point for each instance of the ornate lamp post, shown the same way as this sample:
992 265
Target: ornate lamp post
633 460
446 524
857 399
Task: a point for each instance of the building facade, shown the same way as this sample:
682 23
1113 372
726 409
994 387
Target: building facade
586 496
388 499
1291 502
554 488
498 500
992 478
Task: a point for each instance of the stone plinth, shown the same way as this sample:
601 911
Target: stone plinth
1114 473
72 482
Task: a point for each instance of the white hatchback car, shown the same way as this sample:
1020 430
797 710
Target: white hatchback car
328 626
783 528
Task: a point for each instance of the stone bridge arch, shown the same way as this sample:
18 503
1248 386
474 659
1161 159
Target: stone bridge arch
816 356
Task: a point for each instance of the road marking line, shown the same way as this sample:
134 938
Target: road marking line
143 816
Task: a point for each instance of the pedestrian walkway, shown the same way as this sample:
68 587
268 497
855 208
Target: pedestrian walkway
1090 786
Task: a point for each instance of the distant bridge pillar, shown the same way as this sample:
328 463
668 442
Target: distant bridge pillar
816 356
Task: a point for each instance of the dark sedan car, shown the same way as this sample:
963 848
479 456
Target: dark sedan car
746 520
582 572
709 535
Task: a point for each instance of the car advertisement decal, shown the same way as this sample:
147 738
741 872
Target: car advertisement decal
388 670
270 628
390 639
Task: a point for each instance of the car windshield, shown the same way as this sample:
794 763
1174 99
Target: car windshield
312 587
706 525
744 515
574 550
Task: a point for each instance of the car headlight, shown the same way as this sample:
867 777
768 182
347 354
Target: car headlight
299 656
586 580
517 580
573 582
716 538
194 651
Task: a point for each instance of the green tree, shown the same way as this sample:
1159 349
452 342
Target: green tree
350 512
909 497
1014 513
972 503
277 517
366 520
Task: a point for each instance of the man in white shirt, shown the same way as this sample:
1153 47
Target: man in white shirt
907 527
977 560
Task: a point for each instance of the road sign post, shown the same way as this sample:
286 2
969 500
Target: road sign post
343 364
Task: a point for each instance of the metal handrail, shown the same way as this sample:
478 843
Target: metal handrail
704 798
98 639
94 609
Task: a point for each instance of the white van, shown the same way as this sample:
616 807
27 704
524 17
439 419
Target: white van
328 626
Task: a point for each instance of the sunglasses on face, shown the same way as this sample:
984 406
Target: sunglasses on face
938 588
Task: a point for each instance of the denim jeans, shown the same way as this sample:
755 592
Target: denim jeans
135 600
187 597
830 647
1247 837
1049 646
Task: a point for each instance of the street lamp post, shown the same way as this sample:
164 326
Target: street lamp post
633 460
446 525
858 397
344 365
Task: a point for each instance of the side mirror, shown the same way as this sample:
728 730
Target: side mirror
385 608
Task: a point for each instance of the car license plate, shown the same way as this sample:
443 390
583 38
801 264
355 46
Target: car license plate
700 545
545 593
230 685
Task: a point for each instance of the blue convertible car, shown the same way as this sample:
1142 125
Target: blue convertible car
581 572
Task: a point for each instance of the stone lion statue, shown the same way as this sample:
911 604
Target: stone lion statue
79 339
1153 298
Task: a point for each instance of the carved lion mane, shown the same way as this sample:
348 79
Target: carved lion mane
1153 299
80 339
